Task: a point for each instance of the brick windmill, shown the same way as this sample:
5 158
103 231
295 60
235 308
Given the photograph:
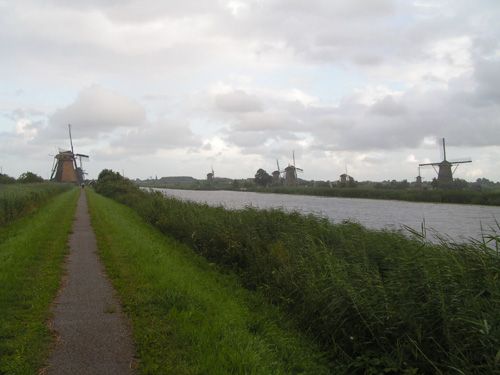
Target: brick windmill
291 178
277 180
65 167
445 169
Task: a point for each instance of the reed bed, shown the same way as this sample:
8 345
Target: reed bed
17 200
489 198
377 301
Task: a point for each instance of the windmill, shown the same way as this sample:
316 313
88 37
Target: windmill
291 173
277 174
211 175
65 167
418 180
345 179
445 171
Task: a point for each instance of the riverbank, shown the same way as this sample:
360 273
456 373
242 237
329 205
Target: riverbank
375 300
466 196
32 251
187 317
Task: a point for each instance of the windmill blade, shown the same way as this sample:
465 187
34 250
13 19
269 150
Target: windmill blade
299 169
70 138
54 168
460 160
82 156
444 149
425 164
293 155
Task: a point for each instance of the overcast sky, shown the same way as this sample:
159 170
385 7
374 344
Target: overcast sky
165 87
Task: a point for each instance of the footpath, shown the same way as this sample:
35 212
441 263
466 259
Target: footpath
93 336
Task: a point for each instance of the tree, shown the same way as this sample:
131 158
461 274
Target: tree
4 179
263 178
29 178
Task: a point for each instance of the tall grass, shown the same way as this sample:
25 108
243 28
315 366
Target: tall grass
376 300
17 200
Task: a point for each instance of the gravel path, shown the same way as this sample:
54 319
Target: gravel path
93 336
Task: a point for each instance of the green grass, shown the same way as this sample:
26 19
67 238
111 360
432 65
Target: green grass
376 301
187 317
32 251
17 200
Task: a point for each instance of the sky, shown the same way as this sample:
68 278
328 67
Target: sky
169 88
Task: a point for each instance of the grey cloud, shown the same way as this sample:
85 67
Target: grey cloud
237 101
164 134
98 110
487 75
388 107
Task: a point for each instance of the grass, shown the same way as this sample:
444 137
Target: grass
376 301
187 317
32 251
17 200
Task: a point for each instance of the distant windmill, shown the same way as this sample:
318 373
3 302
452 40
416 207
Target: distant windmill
345 179
211 175
418 181
65 167
444 171
277 174
291 173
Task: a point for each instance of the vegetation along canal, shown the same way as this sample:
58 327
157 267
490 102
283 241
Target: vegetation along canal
460 222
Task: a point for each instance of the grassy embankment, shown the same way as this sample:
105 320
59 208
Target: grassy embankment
466 196
376 301
17 200
187 318
32 251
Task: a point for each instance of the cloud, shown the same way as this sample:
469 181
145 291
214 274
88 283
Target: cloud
237 101
326 78
161 135
98 110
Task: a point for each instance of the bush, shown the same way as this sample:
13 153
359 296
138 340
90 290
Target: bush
29 178
4 179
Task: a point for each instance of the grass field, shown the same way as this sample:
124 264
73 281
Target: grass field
32 251
17 200
187 317
376 301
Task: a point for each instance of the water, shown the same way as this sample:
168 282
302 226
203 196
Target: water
459 222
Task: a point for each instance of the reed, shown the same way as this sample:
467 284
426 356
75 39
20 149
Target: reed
467 196
17 200
375 300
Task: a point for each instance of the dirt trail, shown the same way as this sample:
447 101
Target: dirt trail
93 335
